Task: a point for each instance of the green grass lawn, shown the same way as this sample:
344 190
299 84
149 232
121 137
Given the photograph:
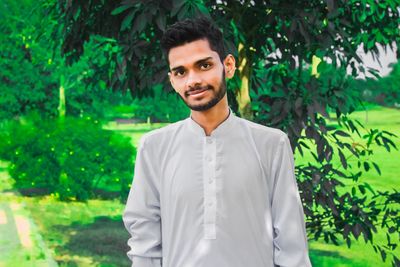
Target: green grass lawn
92 234
82 234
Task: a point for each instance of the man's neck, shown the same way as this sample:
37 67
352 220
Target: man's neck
211 118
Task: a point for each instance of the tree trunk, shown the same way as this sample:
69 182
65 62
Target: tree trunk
314 66
243 95
61 103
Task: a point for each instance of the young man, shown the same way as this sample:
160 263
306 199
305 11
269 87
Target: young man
213 190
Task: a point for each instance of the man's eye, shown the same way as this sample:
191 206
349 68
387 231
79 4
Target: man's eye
179 73
205 66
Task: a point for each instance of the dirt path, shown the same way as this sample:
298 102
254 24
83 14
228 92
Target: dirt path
20 242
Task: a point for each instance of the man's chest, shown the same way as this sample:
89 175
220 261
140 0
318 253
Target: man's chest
190 173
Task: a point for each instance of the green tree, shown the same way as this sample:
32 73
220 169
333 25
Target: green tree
34 77
26 82
383 91
276 41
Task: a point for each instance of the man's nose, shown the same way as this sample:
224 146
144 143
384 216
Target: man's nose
193 79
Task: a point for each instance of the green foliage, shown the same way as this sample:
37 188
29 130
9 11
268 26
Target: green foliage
333 29
31 72
67 157
26 80
26 85
383 91
87 82
161 107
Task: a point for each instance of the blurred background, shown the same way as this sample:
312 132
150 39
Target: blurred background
82 81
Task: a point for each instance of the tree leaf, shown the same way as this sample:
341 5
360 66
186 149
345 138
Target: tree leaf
356 230
120 9
396 261
176 6
341 133
378 170
368 186
366 166
140 22
128 20
361 188
342 159
161 22
383 254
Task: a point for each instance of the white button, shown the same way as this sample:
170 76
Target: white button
209 158
209 140
210 181
210 204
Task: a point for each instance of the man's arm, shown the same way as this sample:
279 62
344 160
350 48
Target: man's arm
142 213
290 239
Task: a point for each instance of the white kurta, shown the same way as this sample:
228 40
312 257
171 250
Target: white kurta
225 200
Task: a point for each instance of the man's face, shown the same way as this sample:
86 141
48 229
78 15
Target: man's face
197 74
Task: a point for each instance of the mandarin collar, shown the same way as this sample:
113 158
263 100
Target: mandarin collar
222 128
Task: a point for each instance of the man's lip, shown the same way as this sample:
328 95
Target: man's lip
194 92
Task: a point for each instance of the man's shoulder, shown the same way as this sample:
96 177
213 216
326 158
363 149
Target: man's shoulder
157 135
262 130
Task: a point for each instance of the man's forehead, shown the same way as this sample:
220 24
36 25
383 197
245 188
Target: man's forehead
190 61
190 53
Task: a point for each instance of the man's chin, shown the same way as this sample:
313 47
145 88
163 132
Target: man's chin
202 107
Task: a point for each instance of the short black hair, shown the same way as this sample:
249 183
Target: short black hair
190 30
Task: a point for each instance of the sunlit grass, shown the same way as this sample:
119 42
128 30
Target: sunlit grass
82 234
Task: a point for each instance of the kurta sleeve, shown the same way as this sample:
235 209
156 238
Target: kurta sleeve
142 212
290 239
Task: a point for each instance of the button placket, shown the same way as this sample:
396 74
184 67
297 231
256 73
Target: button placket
210 200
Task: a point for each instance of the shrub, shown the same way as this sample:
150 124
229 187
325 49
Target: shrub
68 157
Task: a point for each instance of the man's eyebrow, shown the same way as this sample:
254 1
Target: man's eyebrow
202 60
177 68
196 63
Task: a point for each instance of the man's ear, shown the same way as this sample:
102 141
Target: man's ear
171 80
229 64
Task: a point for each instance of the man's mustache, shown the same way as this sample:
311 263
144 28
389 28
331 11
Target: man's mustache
198 88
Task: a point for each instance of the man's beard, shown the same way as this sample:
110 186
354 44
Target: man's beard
217 97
